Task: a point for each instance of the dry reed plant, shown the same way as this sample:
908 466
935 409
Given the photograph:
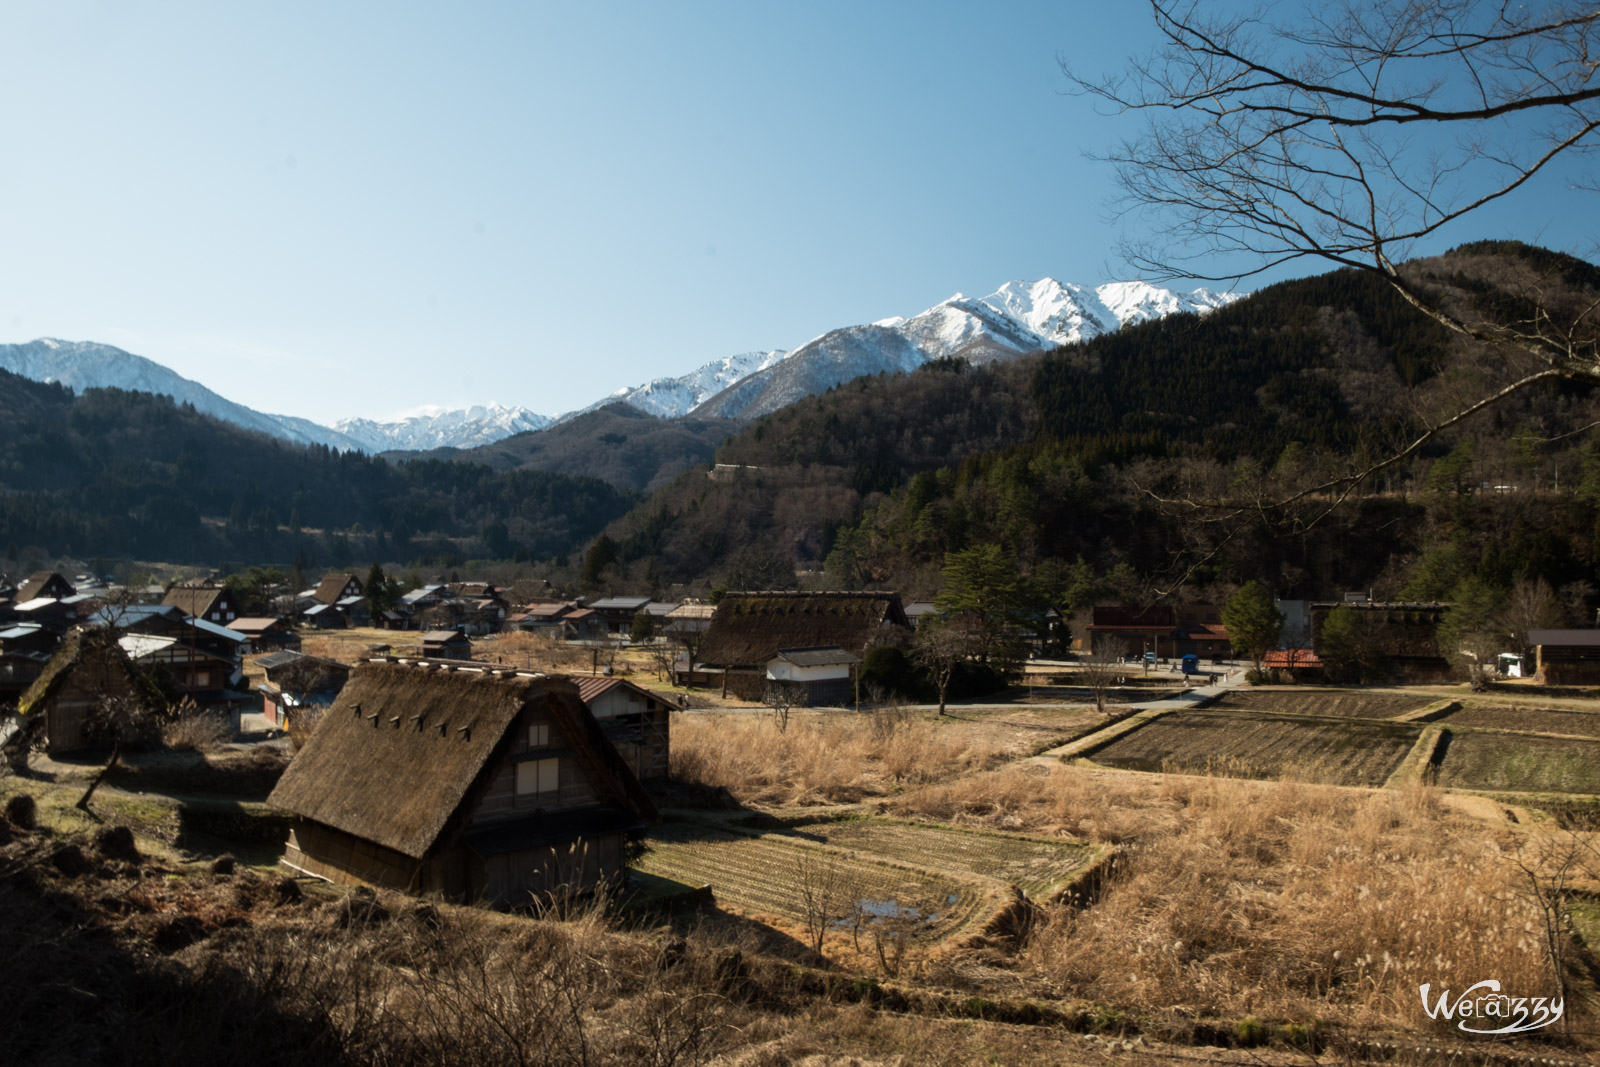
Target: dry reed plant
196 731
533 652
823 757
1282 900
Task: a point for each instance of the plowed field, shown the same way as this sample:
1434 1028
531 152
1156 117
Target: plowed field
1343 702
1530 720
1522 764
1245 744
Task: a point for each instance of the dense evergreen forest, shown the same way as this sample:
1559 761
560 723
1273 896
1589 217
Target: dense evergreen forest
115 473
1103 456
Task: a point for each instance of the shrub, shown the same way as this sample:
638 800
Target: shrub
196 731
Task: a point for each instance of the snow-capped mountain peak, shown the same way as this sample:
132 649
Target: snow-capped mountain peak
1017 318
434 427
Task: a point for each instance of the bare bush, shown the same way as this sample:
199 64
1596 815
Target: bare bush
196 731
828 894
302 724
783 698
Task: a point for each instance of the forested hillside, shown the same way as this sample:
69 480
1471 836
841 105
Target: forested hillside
617 443
122 473
1069 456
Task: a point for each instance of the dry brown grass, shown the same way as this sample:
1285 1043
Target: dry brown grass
196 731
824 757
533 652
1275 899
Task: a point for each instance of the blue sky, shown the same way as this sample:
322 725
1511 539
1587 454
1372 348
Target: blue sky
357 209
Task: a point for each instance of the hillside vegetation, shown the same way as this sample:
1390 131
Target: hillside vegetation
112 472
1069 455
617 443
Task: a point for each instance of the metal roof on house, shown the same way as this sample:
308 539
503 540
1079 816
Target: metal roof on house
621 603
444 635
254 623
591 686
36 604
138 646
349 601
275 660
819 656
21 629
215 630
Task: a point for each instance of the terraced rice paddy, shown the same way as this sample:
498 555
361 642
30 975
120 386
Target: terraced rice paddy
1245 744
1527 720
1033 864
952 879
1522 764
1341 702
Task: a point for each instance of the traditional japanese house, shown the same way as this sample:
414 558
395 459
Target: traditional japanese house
474 782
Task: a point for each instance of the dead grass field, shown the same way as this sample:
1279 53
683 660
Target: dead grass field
1342 702
834 757
1241 744
1274 898
1529 720
1525 764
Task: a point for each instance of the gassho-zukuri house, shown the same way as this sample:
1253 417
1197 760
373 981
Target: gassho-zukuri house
475 782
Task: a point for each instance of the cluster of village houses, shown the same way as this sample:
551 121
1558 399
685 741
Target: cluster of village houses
435 770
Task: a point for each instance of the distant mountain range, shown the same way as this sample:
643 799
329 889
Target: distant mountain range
1017 318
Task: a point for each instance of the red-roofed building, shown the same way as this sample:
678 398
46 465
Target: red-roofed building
635 720
1292 664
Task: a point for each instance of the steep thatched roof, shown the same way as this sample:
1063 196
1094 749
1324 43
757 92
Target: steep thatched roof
33 586
195 600
401 749
749 628
96 651
331 589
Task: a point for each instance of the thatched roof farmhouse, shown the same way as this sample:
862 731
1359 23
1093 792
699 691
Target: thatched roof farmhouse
748 629
88 668
475 782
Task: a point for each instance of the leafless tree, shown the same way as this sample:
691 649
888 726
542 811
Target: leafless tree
124 718
827 893
783 698
939 647
1531 605
662 656
1102 668
1347 132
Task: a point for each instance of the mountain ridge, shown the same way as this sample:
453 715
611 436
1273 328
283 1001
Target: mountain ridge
1017 318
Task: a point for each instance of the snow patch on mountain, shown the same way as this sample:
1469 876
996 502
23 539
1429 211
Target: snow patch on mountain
670 397
434 427
89 365
1017 318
